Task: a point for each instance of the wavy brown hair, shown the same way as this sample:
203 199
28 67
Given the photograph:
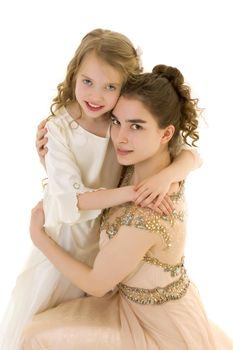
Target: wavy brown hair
166 96
112 47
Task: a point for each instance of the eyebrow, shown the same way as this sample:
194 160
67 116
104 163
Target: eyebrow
141 121
86 77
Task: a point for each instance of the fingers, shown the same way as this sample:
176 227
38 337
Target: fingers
41 149
159 200
41 140
164 209
143 196
170 205
41 143
148 200
41 133
140 186
157 210
42 124
165 200
43 152
38 206
165 206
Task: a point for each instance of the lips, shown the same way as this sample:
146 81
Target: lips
122 152
93 107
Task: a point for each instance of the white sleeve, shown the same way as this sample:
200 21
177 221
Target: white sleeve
64 182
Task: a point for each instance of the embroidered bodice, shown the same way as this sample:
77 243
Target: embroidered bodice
171 231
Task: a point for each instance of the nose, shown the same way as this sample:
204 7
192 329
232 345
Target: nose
122 136
96 95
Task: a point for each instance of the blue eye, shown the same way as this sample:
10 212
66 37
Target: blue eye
87 82
111 87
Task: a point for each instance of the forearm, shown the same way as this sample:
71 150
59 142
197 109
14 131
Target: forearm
102 199
182 165
77 272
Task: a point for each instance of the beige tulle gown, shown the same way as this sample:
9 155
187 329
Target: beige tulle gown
156 307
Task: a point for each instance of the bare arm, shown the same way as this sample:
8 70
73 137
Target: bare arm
186 161
102 199
155 188
115 261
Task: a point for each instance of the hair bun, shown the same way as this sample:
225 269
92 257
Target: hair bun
170 73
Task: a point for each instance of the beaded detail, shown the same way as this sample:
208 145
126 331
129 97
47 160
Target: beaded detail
147 219
142 218
158 295
174 270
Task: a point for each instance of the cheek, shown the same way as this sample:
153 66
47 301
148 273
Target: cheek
77 89
112 99
80 87
148 144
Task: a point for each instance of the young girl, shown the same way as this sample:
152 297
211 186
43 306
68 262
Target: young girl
80 158
151 303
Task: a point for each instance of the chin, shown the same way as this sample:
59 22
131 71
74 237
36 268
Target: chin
124 162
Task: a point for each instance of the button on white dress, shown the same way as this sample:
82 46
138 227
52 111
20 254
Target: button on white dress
77 161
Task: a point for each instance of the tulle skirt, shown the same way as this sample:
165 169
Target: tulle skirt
112 322
40 286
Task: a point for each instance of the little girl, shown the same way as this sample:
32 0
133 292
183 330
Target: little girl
81 158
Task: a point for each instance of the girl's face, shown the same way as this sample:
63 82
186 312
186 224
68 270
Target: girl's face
98 86
135 132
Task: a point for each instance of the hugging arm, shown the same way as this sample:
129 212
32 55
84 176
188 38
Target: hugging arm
64 180
114 262
153 190
103 198
41 141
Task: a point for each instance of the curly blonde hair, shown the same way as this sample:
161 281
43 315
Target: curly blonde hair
113 47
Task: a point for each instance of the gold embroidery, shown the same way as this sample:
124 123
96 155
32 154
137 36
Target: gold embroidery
174 270
158 295
143 218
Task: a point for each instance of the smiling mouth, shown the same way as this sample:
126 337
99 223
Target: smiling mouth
93 107
123 152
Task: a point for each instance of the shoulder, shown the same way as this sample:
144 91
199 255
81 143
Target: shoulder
148 220
61 120
141 218
59 125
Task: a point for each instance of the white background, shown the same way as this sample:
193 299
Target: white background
38 38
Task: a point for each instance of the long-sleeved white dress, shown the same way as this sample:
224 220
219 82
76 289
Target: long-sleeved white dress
77 161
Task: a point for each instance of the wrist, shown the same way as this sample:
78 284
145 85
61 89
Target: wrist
37 235
131 194
167 174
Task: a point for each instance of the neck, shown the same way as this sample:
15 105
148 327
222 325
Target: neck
151 166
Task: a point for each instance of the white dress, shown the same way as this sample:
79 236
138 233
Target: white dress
77 161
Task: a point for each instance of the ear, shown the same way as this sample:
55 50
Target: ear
168 133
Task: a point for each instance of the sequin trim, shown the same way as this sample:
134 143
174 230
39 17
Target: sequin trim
143 218
158 295
175 270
